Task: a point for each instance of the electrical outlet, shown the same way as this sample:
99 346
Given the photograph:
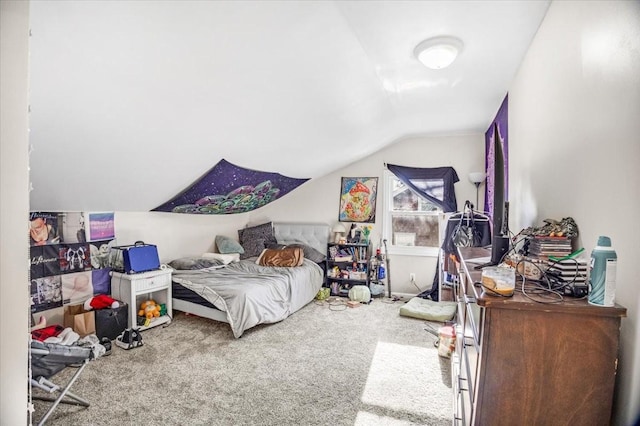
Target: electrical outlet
412 276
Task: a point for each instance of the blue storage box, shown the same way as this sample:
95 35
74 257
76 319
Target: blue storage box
133 259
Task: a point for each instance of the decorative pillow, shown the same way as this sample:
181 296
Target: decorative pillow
228 245
309 252
224 258
276 246
253 248
255 239
283 257
193 263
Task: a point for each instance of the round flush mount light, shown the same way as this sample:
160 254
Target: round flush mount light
438 52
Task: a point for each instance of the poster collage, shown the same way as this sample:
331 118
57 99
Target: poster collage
69 256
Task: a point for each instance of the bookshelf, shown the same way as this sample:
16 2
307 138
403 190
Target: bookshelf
347 265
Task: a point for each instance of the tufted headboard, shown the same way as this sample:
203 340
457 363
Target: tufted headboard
315 235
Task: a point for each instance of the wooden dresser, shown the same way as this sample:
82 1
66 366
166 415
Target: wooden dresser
521 362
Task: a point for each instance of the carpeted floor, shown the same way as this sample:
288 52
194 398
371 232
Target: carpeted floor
321 366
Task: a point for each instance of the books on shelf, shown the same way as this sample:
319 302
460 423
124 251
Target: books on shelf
341 258
348 253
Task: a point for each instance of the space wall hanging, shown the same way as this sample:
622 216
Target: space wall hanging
229 189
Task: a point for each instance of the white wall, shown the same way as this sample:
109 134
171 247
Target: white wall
14 199
574 129
176 235
316 201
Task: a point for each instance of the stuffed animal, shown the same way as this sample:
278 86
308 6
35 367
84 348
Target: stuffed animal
100 301
149 309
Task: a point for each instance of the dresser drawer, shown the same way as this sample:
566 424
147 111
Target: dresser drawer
153 283
145 282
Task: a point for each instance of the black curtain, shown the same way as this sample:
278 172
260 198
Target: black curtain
447 175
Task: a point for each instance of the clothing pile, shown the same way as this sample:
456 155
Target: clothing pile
68 337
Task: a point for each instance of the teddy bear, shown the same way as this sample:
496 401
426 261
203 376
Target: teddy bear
149 309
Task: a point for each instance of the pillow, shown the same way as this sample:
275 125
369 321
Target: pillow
309 252
224 258
428 309
253 248
193 263
228 245
283 257
255 239
276 246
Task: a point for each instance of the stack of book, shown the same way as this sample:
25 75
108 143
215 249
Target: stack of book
544 247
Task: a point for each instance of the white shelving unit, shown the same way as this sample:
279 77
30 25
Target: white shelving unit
135 288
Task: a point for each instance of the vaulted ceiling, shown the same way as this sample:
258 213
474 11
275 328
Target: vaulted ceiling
131 101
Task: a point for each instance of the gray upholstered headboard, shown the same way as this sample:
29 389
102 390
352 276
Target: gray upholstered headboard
315 235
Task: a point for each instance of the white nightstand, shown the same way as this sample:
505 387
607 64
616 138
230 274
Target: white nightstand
136 288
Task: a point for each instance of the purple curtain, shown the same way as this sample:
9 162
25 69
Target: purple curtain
447 175
502 120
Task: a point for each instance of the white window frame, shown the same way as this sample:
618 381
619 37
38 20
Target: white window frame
386 224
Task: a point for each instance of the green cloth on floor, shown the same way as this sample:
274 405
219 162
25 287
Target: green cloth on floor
429 310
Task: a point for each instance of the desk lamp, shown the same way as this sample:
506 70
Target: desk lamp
338 232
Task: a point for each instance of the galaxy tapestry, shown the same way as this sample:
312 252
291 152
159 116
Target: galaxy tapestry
229 189
502 120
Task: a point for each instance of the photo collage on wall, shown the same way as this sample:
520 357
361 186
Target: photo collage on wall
69 255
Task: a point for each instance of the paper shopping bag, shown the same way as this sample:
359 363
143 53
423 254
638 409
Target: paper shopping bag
81 321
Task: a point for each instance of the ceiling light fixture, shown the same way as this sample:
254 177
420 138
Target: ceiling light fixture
438 52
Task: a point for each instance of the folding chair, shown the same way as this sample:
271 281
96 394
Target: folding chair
48 359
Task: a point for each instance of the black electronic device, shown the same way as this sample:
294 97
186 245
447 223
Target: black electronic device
576 290
569 274
500 220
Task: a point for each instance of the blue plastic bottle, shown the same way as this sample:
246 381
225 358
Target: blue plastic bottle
602 273
381 272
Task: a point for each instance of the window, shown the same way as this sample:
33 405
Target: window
412 223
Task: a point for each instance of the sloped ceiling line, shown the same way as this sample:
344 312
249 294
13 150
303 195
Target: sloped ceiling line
133 100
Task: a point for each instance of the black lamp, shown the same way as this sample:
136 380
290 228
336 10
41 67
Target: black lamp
477 178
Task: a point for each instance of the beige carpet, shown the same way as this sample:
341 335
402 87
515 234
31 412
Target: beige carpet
321 366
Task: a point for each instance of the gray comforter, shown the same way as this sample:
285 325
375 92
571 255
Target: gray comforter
251 294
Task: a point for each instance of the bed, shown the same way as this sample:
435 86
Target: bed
244 293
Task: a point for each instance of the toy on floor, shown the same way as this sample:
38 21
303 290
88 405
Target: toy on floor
100 301
149 309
